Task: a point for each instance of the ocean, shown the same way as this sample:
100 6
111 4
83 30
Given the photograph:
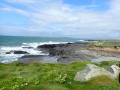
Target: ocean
8 44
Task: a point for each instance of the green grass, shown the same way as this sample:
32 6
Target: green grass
106 43
17 76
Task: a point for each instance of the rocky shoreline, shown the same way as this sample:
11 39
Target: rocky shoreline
70 52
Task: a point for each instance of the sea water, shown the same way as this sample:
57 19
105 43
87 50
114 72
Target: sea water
28 44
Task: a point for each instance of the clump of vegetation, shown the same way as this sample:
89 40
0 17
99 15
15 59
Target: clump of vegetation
108 63
106 43
36 76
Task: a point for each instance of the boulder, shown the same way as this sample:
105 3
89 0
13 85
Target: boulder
92 71
17 52
115 71
49 46
56 49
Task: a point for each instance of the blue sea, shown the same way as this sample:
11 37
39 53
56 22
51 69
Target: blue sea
20 43
19 40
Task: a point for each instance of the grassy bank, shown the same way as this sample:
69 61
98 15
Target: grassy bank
18 76
106 43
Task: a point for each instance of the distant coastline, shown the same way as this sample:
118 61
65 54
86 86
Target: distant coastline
60 50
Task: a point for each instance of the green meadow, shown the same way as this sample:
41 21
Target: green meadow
38 76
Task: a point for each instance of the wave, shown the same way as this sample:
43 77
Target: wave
36 44
6 58
30 48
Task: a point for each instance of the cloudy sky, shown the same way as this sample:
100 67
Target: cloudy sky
62 18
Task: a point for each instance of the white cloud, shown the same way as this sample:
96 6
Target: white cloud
54 16
8 8
21 1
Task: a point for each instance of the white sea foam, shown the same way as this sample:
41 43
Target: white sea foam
36 44
4 49
82 40
10 48
5 58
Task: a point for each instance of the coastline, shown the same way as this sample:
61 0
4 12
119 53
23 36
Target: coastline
58 67
62 52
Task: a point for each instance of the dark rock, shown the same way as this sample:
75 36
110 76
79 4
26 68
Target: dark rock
20 52
57 49
8 52
61 51
37 59
17 52
46 46
70 59
27 47
65 52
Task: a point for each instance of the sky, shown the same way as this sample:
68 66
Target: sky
97 19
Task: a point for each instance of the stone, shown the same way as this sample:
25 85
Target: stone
116 70
92 71
17 52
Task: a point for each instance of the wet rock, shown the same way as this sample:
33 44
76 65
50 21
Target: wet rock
47 46
51 46
27 47
56 49
37 59
17 52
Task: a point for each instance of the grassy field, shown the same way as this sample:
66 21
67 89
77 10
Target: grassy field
17 76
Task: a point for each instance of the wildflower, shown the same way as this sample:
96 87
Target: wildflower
26 83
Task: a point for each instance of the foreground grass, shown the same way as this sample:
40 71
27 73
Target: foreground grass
18 76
